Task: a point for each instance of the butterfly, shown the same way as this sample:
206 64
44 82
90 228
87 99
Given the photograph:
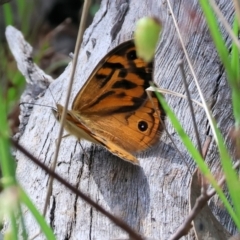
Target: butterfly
112 108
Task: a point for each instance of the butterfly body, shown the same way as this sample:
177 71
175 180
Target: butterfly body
113 109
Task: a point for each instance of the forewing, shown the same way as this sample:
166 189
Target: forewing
116 85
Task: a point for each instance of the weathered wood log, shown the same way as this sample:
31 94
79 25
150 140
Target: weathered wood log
152 198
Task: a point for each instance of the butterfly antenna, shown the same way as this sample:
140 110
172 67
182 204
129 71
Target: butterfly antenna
52 96
168 134
33 104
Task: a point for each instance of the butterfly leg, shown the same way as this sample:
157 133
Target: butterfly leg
67 135
84 152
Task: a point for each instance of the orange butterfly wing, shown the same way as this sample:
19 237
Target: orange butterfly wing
114 106
116 85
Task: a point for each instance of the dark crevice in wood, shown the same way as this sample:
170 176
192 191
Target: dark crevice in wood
90 158
75 209
216 89
52 213
67 237
208 128
78 180
137 210
90 226
70 229
119 19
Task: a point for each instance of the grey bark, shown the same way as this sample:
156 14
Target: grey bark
152 198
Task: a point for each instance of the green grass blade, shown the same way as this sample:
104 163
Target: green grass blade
7 12
24 231
39 218
235 52
14 227
217 37
196 156
235 62
21 6
231 176
6 161
231 65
